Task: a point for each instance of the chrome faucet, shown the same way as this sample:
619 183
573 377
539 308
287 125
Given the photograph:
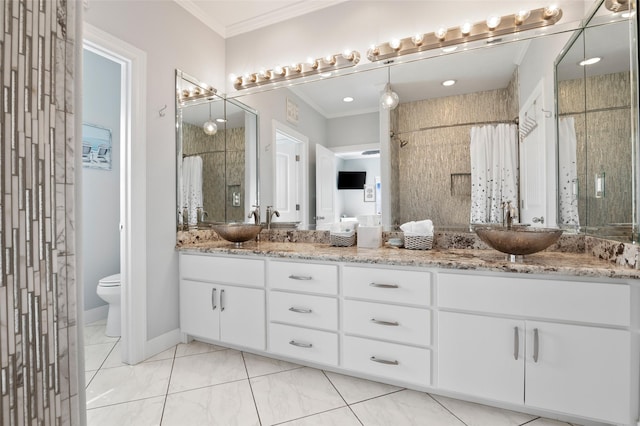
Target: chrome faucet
508 214
256 214
270 213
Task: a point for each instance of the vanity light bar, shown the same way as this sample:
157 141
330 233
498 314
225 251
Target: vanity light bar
194 90
443 37
618 5
302 69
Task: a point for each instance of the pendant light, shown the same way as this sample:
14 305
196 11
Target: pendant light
210 127
389 99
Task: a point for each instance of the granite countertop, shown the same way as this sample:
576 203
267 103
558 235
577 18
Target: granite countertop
546 262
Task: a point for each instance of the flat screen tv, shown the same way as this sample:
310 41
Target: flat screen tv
351 180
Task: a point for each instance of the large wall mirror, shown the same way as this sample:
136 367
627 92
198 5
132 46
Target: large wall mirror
217 156
597 103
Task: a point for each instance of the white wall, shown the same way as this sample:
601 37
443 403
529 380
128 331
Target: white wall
100 188
353 130
171 38
359 24
352 200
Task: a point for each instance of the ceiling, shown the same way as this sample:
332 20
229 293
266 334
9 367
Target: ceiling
232 17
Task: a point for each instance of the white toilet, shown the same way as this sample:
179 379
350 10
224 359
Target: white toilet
109 291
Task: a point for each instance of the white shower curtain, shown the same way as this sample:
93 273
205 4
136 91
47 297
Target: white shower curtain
494 171
191 196
568 170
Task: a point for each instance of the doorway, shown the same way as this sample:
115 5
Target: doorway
290 174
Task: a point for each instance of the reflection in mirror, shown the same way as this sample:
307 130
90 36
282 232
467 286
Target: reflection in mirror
595 137
216 160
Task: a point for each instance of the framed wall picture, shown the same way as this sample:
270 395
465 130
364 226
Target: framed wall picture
96 147
369 194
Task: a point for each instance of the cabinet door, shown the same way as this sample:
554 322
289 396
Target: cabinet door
579 370
481 356
242 316
199 309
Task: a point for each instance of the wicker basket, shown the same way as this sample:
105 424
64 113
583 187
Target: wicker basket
418 242
343 239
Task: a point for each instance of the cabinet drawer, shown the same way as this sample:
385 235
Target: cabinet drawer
224 270
388 285
398 323
600 303
303 343
388 360
306 277
304 310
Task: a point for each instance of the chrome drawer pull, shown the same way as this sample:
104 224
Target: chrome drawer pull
300 345
300 310
381 322
516 343
300 277
536 345
380 285
222 299
383 361
213 299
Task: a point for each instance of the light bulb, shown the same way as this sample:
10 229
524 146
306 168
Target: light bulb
373 51
441 33
348 55
295 68
417 39
389 99
395 44
279 71
493 22
521 16
465 28
551 12
210 128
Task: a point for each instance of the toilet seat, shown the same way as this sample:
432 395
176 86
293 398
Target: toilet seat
110 281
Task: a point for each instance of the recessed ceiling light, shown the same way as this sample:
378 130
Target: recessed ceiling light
628 14
449 49
448 82
589 61
347 99
221 120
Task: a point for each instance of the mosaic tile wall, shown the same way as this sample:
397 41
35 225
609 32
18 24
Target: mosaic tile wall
38 327
225 145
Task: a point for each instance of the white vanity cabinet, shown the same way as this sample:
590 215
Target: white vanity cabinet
223 299
387 323
488 347
303 310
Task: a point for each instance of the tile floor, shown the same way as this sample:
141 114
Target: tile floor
240 388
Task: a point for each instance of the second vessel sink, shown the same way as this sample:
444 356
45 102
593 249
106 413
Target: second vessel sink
518 240
237 233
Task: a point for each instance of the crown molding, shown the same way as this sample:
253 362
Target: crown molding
201 15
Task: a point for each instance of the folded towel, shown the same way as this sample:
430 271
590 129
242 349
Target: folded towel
422 227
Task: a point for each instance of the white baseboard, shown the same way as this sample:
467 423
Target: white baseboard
162 343
96 314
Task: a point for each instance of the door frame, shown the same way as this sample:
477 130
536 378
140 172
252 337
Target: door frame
133 209
304 166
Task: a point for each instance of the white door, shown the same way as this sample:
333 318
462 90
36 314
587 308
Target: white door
579 370
533 164
287 173
200 309
482 356
242 317
326 187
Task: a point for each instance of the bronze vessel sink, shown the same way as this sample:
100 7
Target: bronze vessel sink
237 233
518 240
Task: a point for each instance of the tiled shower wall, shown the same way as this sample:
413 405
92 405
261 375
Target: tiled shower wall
38 327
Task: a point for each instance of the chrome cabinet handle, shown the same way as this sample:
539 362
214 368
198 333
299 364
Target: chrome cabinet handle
213 299
536 345
221 300
301 345
516 343
383 361
380 285
300 277
300 310
381 322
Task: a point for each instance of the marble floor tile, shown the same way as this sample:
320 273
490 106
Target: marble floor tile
130 383
114 360
227 404
145 412
293 394
195 347
404 408
95 355
482 415
168 354
339 417
355 390
94 334
206 369
259 365
549 422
